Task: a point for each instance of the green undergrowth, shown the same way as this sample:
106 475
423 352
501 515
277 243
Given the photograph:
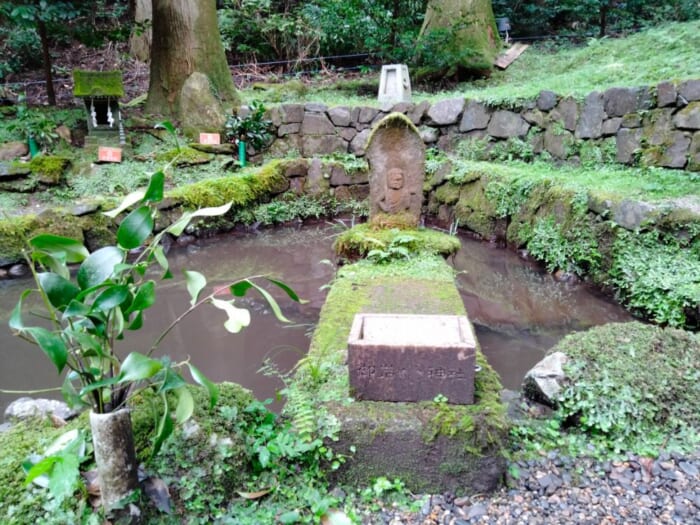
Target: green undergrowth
630 387
635 231
384 245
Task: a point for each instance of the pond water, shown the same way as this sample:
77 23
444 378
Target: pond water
518 310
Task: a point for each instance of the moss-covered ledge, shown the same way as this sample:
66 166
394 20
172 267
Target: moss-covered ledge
634 232
431 446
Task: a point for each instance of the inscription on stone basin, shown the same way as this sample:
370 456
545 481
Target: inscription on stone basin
394 357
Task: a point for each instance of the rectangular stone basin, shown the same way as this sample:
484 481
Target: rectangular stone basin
394 357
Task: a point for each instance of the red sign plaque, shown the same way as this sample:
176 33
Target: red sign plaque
105 154
209 138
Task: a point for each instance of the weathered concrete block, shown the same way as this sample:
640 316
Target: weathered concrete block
411 358
543 382
347 133
428 134
446 112
566 113
558 142
619 101
506 124
315 107
418 112
590 123
367 114
476 116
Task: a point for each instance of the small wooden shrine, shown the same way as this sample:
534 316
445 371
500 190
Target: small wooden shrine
101 91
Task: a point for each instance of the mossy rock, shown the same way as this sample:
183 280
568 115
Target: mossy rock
185 156
97 84
290 90
360 240
634 386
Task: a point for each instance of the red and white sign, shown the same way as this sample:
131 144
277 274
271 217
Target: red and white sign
105 154
209 138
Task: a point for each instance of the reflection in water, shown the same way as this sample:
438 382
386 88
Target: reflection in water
519 312
290 254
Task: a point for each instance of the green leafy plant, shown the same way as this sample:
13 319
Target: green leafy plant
400 247
90 315
252 129
33 123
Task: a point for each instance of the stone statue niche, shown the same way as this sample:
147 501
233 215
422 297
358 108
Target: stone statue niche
396 156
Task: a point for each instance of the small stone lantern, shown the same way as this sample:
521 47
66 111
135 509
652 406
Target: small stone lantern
101 91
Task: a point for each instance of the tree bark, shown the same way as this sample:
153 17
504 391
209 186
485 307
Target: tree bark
186 39
140 43
459 36
48 75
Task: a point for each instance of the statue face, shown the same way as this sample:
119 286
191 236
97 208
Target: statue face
394 179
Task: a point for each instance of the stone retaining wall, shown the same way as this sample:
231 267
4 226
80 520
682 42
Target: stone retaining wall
652 125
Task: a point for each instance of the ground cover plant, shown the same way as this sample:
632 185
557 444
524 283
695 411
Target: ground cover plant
610 404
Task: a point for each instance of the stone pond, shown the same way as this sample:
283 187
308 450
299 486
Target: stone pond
518 310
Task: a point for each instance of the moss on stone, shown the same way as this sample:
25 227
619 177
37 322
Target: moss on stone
392 120
421 285
241 190
361 239
49 168
184 156
97 83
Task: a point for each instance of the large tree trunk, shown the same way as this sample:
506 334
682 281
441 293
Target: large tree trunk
140 41
186 40
458 37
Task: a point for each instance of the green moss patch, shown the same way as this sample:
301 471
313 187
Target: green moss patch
97 83
363 238
49 168
241 190
185 156
630 387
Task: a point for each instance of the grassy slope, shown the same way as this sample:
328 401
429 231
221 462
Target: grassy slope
667 52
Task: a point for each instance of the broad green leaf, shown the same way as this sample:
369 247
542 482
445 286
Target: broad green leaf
171 380
129 200
117 323
74 251
195 284
271 301
99 266
240 288
64 476
89 345
111 297
167 126
15 322
154 192
135 228
96 385
238 318
137 367
159 254
165 426
291 293
70 394
145 297
185 405
55 262
137 322
292 516
42 467
179 226
201 379
60 291
52 345
76 308
264 457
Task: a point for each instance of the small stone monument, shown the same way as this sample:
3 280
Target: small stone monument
394 357
396 156
394 84
101 91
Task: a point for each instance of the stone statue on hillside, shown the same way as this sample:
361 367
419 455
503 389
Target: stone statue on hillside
396 156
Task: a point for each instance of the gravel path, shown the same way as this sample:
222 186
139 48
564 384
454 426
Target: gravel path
559 490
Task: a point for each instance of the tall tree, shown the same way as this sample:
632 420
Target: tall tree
458 37
186 41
